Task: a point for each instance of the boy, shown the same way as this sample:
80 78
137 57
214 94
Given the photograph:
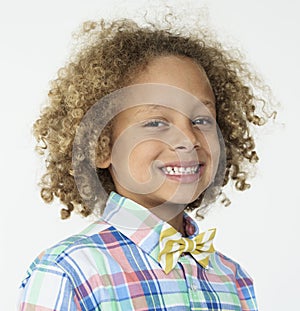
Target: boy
166 102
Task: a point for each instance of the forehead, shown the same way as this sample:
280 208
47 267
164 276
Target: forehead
151 97
179 71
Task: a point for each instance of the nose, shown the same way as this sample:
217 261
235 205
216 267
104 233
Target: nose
185 138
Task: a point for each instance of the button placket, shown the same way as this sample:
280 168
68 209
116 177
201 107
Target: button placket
193 287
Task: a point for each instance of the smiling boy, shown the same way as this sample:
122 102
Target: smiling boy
174 157
159 156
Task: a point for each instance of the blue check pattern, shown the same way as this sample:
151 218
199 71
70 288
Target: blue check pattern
113 265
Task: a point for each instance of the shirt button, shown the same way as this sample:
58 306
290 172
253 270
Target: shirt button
194 287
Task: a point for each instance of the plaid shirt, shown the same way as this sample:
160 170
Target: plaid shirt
112 265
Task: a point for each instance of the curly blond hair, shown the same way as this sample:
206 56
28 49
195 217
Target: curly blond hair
112 54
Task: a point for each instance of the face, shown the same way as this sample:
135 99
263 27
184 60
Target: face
165 153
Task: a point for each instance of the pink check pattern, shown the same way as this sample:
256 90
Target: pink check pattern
112 267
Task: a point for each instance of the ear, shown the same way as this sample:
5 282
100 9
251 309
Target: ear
103 163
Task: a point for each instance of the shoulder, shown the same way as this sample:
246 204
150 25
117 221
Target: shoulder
228 266
75 244
51 278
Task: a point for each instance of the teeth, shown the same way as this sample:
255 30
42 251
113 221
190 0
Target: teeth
174 170
169 169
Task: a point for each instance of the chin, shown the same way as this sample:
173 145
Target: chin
183 199
186 195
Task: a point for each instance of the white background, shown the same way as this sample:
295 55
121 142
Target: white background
261 227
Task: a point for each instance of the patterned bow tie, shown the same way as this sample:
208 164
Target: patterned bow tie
172 245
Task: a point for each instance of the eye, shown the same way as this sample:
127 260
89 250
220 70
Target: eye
204 122
155 123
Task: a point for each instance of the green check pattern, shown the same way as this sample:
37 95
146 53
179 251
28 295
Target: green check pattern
113 265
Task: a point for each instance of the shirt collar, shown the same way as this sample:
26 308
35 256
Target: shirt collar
137 223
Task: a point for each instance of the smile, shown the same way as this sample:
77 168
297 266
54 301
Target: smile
181 170
184 173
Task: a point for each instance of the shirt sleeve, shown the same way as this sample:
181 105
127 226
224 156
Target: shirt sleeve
245 289
47 287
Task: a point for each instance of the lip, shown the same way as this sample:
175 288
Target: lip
184 171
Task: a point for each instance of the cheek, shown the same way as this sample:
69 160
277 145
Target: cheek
135 170
216 158
142 159
211 144
215 150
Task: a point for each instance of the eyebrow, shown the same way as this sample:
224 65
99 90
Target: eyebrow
149 107
156 107
209 104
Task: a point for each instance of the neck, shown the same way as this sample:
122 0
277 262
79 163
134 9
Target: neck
166 212
178 223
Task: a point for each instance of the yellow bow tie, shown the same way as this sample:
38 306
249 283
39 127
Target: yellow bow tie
172 245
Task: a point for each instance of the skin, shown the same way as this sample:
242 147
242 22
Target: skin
148 138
